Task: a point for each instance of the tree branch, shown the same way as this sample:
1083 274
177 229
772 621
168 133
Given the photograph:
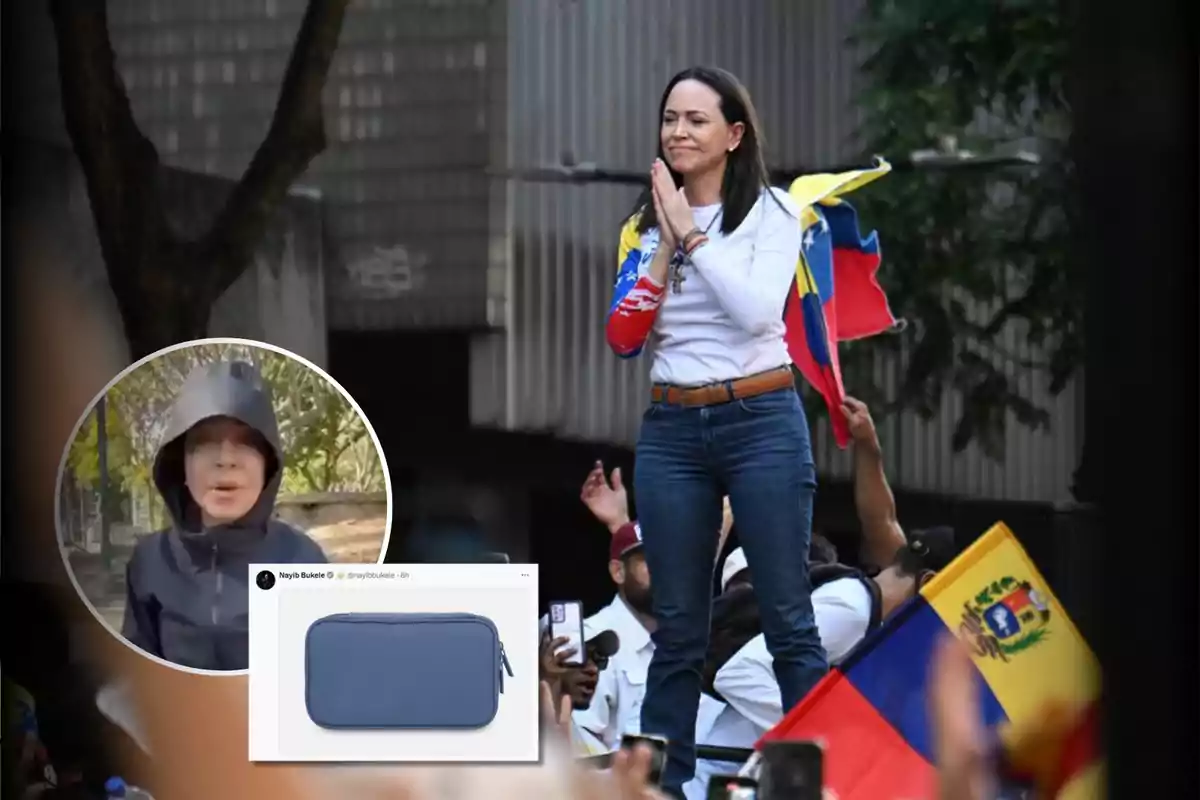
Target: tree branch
119 163
295 137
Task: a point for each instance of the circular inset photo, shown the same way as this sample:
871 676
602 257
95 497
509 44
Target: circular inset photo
198 461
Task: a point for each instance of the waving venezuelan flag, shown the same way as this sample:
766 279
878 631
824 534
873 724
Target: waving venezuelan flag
836 296
870 713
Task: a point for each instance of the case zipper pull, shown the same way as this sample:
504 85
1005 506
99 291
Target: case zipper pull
504 660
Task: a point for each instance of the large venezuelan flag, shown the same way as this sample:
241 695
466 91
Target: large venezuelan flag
836 296
870 713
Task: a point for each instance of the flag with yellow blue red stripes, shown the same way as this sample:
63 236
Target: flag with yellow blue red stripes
870 712
835 296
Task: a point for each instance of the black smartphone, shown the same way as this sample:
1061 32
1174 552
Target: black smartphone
791 771
494 558
658 761
566 620
732 787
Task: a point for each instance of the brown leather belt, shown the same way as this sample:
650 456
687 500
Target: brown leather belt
725 392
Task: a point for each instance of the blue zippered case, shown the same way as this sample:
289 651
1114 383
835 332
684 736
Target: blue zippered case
403 671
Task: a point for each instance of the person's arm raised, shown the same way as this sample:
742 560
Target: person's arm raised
873 500
609 503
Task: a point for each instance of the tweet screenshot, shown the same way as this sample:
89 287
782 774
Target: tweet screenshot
393 662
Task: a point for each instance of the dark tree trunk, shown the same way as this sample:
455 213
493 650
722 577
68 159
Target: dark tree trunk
164 286
161 310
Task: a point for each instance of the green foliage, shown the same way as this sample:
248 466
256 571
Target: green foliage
83 458
325 442
970 252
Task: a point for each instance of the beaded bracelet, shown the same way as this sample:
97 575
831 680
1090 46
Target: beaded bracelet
692 241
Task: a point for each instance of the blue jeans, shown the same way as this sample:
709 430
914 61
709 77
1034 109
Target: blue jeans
756 450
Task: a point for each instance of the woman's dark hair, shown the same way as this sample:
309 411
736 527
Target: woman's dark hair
745 170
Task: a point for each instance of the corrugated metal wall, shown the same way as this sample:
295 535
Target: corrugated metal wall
406 117
583 80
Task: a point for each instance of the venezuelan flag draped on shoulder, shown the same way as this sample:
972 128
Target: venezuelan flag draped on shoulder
836 296
1036 671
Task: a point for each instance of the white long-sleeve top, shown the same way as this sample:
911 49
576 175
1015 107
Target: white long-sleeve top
726 322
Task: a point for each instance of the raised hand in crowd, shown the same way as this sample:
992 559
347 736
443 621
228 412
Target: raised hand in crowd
882 535
606 497
862 427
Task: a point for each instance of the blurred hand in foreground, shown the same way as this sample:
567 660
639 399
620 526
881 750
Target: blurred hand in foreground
555 706
628 779
960 741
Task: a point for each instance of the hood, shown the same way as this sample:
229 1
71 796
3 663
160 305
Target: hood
221 389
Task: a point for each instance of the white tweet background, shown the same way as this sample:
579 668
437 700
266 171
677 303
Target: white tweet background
513 734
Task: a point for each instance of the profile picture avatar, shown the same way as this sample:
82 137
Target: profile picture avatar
195 463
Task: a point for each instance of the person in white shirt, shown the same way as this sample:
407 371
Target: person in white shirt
846 609
617 703
735 618
578 683
705 265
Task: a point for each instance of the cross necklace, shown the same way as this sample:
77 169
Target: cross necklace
679 259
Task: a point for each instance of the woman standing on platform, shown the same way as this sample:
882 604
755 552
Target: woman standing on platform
705 265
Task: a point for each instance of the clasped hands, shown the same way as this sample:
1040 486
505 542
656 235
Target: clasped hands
675 220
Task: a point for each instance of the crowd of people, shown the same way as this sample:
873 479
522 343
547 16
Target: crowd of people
741 698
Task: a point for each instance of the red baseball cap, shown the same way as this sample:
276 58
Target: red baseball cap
627 539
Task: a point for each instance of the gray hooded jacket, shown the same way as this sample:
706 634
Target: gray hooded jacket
187 596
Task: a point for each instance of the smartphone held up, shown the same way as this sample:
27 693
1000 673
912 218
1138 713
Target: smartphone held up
566 622
658 758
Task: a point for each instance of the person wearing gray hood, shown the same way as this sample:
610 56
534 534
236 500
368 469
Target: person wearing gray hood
218 470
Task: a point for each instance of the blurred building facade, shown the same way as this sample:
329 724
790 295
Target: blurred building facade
426 95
